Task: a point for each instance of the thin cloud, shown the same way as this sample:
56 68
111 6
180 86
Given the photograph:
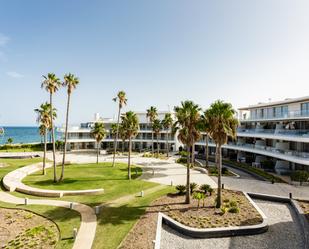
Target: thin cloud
3 40
14 74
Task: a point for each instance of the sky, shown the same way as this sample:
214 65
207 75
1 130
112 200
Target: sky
159 52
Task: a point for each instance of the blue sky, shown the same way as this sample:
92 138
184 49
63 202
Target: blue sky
160 52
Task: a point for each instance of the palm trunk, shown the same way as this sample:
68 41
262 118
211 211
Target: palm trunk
129 159
53 135
207 151
219 168
192 156
158 146
45 148
152 147
98 151
116 137
65 137
167 149
188 176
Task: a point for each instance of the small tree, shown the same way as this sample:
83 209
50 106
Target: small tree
10 140
167 123
156 128
199 196
98 132
130 125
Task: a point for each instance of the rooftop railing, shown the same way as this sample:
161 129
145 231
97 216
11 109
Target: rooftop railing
284 132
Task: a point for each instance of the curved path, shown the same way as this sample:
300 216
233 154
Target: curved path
284 232
86 232
13 182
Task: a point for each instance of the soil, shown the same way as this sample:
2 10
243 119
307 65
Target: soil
142 234
23 229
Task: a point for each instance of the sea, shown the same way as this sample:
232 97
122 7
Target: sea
23 135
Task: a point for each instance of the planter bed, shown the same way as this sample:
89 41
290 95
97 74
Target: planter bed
172 205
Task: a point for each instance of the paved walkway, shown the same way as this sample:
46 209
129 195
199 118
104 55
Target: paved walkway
284 232
86 232
13 182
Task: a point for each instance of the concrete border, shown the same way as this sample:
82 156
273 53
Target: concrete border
211 232
13 182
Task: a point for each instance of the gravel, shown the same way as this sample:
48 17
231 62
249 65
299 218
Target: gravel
284 233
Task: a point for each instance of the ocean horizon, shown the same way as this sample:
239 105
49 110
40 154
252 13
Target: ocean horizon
23 135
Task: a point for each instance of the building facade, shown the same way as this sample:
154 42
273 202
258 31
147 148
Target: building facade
273 136
79 137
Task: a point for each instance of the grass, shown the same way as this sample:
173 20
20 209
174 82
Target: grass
92 176
114 222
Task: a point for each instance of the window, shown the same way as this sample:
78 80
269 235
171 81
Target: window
305 108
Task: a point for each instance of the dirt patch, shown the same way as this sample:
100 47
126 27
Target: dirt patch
3 165
206 216
23 229
305 206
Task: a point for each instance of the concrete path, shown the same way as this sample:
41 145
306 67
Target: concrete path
86 232
13 182
284 232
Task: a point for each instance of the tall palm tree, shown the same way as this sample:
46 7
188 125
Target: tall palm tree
122 101
43 118
122 135
156 128
70 82
167 123
205 128
98 132
130 124
222 124
187 120
52 84
152 114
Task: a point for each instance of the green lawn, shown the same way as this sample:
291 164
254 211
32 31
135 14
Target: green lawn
91 176
113 222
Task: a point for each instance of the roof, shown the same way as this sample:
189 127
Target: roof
275 103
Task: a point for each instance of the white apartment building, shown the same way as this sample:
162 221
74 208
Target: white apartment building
273 135
79 137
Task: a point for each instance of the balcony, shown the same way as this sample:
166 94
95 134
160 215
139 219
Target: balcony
283 116
279 134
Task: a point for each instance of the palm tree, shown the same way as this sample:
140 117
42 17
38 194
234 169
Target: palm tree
156 128
98 132
222 124
167 123
70 82
10 140
122 135
122 101
204 125
187 120
52 84
152 114
43 119
130 125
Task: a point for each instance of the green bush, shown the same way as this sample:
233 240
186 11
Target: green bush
234 210
205 188
224 170
193 187
223 210
300 176
181 189
233 204
182 160
199 196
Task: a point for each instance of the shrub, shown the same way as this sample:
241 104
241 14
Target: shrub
300 176
182 160
205 188
210 190
233 204
198 196
234 210
181 189
226 200
224 170
223 210
193 187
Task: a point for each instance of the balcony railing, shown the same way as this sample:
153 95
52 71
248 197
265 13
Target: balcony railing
288 115
283 132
